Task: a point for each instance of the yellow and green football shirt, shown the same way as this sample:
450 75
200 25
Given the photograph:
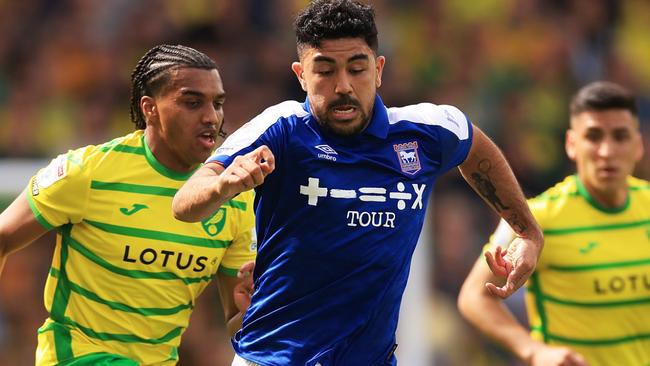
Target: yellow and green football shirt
125 274
591 288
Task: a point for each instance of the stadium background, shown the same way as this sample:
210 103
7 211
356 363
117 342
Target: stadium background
511 65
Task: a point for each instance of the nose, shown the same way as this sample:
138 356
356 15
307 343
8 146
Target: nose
343 85
213 115
606 147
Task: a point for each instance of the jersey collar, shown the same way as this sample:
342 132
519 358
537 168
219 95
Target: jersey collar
378 125
582 191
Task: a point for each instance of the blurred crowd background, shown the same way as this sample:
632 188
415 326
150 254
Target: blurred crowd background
510 65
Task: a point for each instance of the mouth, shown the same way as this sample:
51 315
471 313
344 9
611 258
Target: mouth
608 171
208 139
344 112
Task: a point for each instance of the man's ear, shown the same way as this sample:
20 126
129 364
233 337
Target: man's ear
148 107
381 60
570 144
296 67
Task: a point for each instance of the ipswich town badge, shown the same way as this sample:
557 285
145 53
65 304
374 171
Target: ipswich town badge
407 154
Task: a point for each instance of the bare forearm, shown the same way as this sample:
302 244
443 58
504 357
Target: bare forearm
199 197
488 314
489 174
234 324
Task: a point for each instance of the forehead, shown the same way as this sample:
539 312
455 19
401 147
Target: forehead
189 78
611 119
340 50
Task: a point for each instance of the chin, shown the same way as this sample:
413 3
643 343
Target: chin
345 128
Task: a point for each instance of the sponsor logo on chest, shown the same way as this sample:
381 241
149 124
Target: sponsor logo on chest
404 196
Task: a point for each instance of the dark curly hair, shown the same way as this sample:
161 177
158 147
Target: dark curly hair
152 71
603 95
334 19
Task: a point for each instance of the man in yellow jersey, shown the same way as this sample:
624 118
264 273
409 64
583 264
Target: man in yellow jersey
125 274
588 300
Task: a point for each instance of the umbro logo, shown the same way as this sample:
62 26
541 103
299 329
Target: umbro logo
329 152
327 149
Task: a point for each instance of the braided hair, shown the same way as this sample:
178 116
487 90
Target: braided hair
152 72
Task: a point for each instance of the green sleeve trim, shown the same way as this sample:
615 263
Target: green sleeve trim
236 204
39 217
228 271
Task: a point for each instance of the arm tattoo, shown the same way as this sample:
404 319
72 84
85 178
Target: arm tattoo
516 224
485 187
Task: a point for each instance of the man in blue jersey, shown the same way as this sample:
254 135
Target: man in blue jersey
342 183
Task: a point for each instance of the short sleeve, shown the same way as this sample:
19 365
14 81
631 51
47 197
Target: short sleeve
270 128
457 142
58 193
244 245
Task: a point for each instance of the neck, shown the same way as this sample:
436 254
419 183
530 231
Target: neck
164 155
614 198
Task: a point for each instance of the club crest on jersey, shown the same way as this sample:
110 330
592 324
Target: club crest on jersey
215 223
407 154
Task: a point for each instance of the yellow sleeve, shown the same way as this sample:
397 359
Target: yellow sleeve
58 193
244 246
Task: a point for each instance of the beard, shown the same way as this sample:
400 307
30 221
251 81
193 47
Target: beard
343 127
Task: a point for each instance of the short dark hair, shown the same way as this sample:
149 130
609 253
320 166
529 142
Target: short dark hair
603 95
152 71
334 19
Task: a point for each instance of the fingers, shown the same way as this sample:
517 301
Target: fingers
496 263
264 158
502 292
576 359
249 171
246 270
500 267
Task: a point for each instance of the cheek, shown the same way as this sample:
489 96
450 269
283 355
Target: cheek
317 101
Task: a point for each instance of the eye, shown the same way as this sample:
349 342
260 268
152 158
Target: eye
622 135
193 103
357 71
594 135
324 72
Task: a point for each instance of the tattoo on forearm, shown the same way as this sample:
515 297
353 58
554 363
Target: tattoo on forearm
516 224
485 187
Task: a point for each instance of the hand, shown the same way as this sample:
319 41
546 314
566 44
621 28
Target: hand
243 291
556 356
515 265
246 172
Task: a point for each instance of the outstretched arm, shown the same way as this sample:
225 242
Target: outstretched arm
18 228
487 313
212 185
489 174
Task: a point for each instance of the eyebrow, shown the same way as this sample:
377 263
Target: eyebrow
197 93
359 56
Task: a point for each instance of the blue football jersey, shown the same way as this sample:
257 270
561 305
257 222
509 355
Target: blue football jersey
337 223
